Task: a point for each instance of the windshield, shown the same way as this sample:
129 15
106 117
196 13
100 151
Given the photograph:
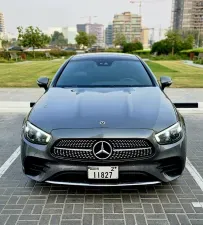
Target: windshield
102 73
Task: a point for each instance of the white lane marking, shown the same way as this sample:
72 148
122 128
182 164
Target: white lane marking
197 204
9 161
197 177
200 105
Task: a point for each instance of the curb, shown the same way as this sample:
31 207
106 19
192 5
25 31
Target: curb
18 104
14 104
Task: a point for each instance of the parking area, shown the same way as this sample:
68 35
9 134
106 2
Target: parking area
23 201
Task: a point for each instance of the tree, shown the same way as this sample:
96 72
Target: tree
32 37
5 44
82 38
58 39
14 42
174 43
197 37
120 39
92 39
161 47
188 42
130 47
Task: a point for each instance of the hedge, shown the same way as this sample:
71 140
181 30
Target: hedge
164 57
168 57
38 55
112 50
131 47
54 53
198 61
143 51
3 60
5 55
194 50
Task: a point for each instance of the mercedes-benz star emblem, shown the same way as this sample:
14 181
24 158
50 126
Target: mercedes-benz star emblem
102 150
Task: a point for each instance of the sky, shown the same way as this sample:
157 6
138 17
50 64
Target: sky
60 13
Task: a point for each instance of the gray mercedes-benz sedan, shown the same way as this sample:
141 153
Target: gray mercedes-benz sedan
104 120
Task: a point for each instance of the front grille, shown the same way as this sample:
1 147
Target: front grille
82 149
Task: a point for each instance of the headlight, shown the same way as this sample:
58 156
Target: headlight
170 135
35 135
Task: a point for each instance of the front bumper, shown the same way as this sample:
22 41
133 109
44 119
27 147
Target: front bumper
144 171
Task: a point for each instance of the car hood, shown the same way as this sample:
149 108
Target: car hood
133 108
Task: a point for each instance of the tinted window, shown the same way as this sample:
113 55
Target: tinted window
104 73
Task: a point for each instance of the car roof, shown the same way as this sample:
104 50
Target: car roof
104 55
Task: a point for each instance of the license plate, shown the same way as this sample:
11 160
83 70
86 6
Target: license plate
103 172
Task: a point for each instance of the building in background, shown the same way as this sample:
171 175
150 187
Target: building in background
129 25
72 32
109 35
51 30
187 15
68 33
2 25
177 14
145 37
81 27
65 32
96 29
159 34
10 36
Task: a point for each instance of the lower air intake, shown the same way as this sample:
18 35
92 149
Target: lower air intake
172 167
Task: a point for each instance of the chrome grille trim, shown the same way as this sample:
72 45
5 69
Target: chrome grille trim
104 185
131 149
73 149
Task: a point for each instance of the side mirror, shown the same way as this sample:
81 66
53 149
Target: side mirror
165 82
43 82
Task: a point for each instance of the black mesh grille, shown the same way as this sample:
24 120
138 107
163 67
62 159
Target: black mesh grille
81 149
76 143
129 143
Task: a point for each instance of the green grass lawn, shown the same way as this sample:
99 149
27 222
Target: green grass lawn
185 76
155 67
25 74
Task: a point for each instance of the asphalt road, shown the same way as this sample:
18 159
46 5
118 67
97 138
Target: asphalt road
23 201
